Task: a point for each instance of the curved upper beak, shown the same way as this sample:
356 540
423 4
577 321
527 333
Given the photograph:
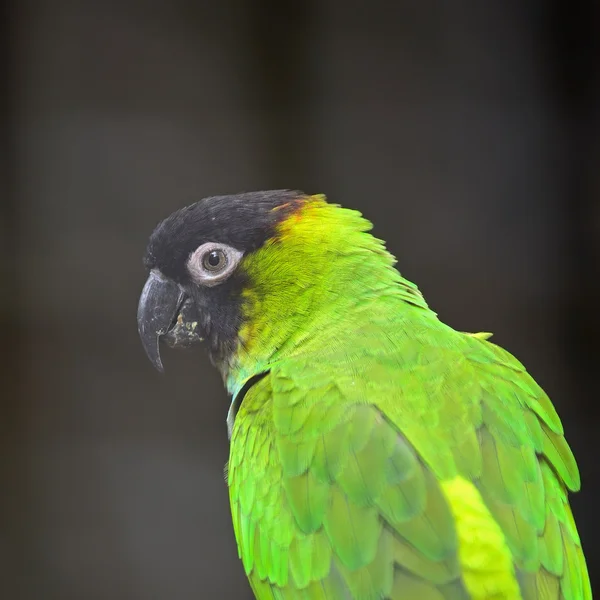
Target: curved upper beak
158 307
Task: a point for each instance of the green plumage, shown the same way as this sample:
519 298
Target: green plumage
338 454
376 453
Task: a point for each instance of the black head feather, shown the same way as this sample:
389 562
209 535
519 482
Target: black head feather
244 221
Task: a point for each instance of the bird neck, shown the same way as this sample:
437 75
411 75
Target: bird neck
318 283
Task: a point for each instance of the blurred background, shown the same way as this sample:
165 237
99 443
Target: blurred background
468 131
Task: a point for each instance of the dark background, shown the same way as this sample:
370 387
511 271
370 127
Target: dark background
468 131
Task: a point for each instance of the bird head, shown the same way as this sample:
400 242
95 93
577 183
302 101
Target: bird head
255 275
195 258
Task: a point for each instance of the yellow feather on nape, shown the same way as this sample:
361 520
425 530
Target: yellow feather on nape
481 335
485 559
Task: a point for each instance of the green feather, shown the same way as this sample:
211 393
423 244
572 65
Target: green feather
560 456
307 499
551 549
352 530
296 457
436 571
407 585
375 579
432 531
330 453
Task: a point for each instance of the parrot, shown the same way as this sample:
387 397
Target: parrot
374 451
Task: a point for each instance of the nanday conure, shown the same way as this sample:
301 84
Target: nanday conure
375 451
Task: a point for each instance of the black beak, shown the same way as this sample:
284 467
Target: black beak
159 305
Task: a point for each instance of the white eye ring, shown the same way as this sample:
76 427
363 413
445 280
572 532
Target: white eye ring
212 263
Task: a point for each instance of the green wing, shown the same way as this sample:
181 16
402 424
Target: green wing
527 469
330 516
337 475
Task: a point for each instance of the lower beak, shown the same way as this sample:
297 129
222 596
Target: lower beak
159 305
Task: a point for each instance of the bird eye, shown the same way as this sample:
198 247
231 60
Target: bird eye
212 263
214 260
